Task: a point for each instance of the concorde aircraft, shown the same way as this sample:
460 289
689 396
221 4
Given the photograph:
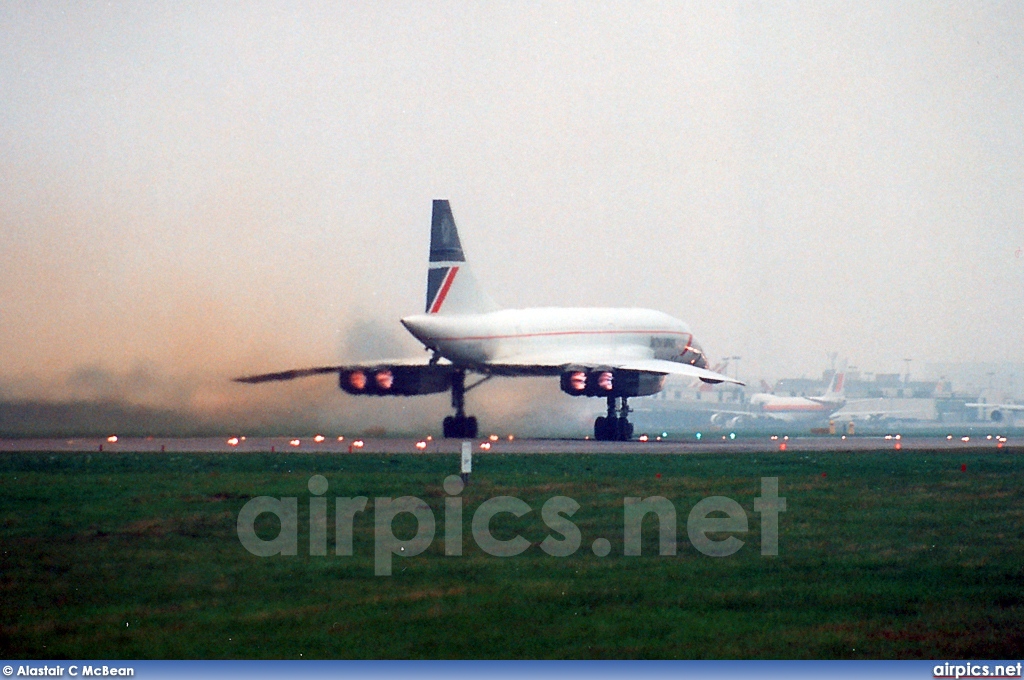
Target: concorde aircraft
615 353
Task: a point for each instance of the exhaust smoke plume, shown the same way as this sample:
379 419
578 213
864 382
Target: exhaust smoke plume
151 399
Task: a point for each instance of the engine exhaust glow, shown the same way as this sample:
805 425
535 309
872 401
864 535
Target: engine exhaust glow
385 379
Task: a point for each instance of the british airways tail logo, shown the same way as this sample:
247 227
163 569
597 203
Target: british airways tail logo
439 282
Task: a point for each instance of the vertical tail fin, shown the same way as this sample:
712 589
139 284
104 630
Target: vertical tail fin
451 286
836 390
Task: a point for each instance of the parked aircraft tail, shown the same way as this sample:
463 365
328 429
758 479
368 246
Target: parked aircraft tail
836 389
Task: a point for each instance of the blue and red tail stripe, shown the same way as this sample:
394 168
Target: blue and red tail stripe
439 282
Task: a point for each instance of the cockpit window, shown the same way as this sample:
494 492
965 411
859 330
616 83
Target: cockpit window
694 355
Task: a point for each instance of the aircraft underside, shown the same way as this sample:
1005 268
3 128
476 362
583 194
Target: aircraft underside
614 426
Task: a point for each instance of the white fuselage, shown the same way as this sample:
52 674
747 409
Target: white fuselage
524 334
791 408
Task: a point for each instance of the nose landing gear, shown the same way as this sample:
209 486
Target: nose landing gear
614 427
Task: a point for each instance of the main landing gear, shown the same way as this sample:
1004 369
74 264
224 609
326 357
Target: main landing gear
615 427
460 426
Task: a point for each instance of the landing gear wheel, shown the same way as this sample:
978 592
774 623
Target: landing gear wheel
614 427
460 427
624 430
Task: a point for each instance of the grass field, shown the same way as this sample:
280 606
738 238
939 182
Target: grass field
880 556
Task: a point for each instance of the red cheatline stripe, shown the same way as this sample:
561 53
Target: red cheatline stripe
794 407
443 293
555 333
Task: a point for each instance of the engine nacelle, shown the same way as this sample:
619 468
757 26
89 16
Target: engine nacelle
403 381
609 382
996 416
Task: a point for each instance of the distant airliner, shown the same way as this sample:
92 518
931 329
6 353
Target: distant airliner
614 353
788 409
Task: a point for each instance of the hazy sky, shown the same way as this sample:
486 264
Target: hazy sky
214 189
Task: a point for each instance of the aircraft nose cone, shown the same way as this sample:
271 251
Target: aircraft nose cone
415 325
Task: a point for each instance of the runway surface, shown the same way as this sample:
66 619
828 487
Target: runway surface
708 444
